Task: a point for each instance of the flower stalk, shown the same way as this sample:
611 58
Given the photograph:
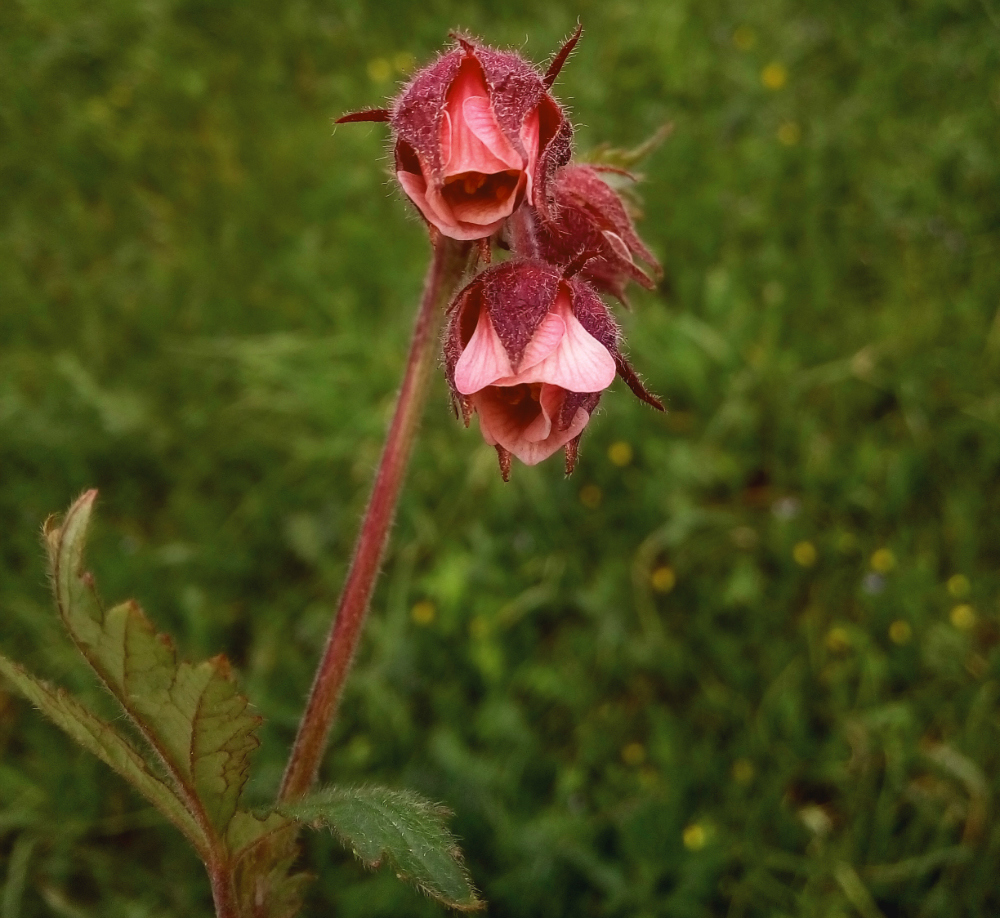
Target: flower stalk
448 263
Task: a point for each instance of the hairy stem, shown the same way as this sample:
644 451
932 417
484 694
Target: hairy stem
523 230
223 890
447 265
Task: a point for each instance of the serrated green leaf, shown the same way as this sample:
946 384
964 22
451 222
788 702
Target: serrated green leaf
620 158
378 824
192 716
103 741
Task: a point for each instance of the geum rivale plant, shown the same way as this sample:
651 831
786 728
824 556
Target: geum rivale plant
483 150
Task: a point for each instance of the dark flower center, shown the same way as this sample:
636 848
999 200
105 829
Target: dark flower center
523 401
479 188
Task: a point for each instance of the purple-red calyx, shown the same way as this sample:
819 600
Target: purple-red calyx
482 149
588 217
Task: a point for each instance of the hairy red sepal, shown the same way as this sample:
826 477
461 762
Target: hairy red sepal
562 55
368 114
588 220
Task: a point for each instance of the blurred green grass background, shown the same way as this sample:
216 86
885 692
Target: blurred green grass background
744 663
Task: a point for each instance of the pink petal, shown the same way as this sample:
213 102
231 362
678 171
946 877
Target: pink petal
480 120
437 211
543 342
484 359
467 153
468 83
471 139
415 188
417 191
446 130
580 363
494 421
540 428
484 429
501 423
529 137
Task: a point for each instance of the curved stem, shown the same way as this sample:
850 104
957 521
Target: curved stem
446 268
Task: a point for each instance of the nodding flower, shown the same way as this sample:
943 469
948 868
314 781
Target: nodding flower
530 352
476 133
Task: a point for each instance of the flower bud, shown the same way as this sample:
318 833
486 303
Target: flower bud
530 352
587 217
475 133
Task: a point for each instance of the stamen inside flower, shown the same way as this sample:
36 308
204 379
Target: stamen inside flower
471 182
476 194
525 408
522 419
515 395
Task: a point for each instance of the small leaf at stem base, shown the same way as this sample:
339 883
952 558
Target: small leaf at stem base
380 824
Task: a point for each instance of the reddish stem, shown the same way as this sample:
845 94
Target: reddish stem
447 264
523 232
223 891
